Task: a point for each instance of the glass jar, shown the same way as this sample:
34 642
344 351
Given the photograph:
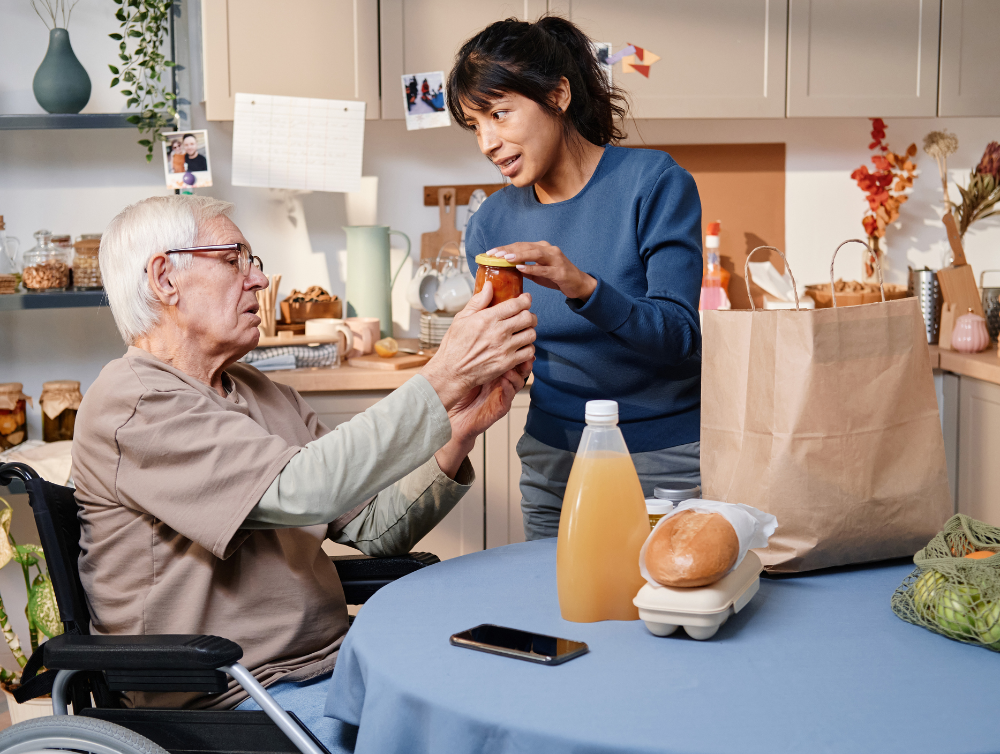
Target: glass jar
13 415
86 267
507 280
10 276
46 266
59 403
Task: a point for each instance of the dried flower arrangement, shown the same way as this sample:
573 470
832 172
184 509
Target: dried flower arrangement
885 189
41 611
981 194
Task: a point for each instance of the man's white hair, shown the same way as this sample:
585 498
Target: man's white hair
133 237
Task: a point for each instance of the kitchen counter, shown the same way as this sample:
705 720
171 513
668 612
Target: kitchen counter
983 366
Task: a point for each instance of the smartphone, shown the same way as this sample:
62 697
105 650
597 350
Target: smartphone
522 645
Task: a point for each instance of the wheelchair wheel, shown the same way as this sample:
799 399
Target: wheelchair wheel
77 734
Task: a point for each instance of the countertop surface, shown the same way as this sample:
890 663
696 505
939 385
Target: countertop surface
982 366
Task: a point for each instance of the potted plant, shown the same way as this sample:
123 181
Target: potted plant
885 190
42 614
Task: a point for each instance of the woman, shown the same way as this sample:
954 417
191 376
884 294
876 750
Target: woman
610 241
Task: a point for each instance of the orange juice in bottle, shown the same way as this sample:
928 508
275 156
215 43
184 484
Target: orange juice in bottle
602 526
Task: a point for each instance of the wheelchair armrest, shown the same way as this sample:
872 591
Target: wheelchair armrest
137 653
362 575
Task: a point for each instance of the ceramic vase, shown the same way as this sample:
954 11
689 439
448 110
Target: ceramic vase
970 334
61 84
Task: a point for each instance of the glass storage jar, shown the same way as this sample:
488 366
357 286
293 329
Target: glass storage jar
86 268
59 402
13 416
507 280
9 275
46 266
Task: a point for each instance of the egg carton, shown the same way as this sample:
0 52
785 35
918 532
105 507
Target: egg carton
703 610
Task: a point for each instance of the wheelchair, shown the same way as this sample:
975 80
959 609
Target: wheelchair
93 671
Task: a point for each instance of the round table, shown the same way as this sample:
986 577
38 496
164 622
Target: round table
814 663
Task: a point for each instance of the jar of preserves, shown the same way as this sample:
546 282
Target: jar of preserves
86 266
59 403
507 280
46 266
13 416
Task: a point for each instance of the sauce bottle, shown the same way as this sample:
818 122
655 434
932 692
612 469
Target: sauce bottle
507 280
602 526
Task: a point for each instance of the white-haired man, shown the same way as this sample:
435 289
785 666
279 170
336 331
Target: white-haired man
207 490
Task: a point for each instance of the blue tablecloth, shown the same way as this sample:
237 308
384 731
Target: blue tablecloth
812 664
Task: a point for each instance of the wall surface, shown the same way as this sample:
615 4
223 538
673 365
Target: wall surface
76 181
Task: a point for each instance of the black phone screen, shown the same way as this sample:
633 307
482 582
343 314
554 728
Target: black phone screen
522 645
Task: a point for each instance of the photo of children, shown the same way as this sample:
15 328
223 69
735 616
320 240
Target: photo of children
424 96
185 159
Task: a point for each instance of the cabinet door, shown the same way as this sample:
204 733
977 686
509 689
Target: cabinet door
860 58
420 36
718 58
504 522
458 533
970 66
326 49
978 450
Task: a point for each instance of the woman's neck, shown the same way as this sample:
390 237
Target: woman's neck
571 170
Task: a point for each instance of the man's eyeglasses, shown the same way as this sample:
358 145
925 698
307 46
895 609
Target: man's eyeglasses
245 257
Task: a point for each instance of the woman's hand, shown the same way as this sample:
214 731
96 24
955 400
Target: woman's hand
476 412
481 345
551 268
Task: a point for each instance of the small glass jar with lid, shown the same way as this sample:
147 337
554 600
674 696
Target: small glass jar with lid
59 402
46 266
507 280
13 415
86 267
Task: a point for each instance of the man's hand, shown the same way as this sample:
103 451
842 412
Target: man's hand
481 345
551 268
476 412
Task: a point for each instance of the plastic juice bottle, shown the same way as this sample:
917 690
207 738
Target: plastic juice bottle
715 279
602 526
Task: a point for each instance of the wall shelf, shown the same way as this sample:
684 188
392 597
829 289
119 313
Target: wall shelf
39 121
55 300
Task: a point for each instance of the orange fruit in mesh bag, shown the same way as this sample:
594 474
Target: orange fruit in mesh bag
980 554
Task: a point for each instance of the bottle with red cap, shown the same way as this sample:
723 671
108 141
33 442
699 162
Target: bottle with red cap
715 280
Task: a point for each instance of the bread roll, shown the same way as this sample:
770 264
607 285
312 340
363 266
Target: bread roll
692 549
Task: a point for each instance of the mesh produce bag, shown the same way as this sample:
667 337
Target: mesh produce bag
950 594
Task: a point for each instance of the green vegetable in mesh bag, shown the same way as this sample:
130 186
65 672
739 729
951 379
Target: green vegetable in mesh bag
950 594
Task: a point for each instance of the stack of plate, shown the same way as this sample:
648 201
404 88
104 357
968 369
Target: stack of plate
433 327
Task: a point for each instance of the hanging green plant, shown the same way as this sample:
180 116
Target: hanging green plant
141 69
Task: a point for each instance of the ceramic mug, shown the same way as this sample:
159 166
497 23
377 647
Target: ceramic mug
325 327
366 333
421 290
453 293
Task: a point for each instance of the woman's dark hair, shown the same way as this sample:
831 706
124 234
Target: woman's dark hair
530 59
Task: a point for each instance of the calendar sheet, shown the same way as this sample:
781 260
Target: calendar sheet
298 143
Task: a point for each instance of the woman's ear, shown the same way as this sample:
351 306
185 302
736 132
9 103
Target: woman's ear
160 273
561 96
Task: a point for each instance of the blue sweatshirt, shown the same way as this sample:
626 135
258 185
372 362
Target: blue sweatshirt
636 228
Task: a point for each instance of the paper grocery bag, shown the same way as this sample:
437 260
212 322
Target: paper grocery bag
828 420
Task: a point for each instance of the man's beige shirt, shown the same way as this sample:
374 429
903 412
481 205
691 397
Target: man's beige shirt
166 471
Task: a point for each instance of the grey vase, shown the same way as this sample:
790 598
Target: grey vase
61 84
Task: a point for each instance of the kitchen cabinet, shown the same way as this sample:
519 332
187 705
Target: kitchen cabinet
298 48
979 450
970 66
504 523
859 58
420 36
461 531
718 58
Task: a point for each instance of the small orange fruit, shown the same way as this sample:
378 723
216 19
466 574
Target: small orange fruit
386 348
981 554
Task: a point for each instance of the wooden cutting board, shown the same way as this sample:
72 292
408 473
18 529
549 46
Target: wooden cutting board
399 361
448 233
958 282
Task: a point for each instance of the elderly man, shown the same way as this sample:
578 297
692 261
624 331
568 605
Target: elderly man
207 490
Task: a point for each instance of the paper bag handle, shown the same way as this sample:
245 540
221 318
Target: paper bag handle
746 276
881 288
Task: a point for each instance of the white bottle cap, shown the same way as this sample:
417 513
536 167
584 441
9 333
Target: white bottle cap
711 242
602 412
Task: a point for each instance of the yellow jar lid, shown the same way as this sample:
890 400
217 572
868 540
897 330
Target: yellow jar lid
493 261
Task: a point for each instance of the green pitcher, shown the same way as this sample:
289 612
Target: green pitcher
369 285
